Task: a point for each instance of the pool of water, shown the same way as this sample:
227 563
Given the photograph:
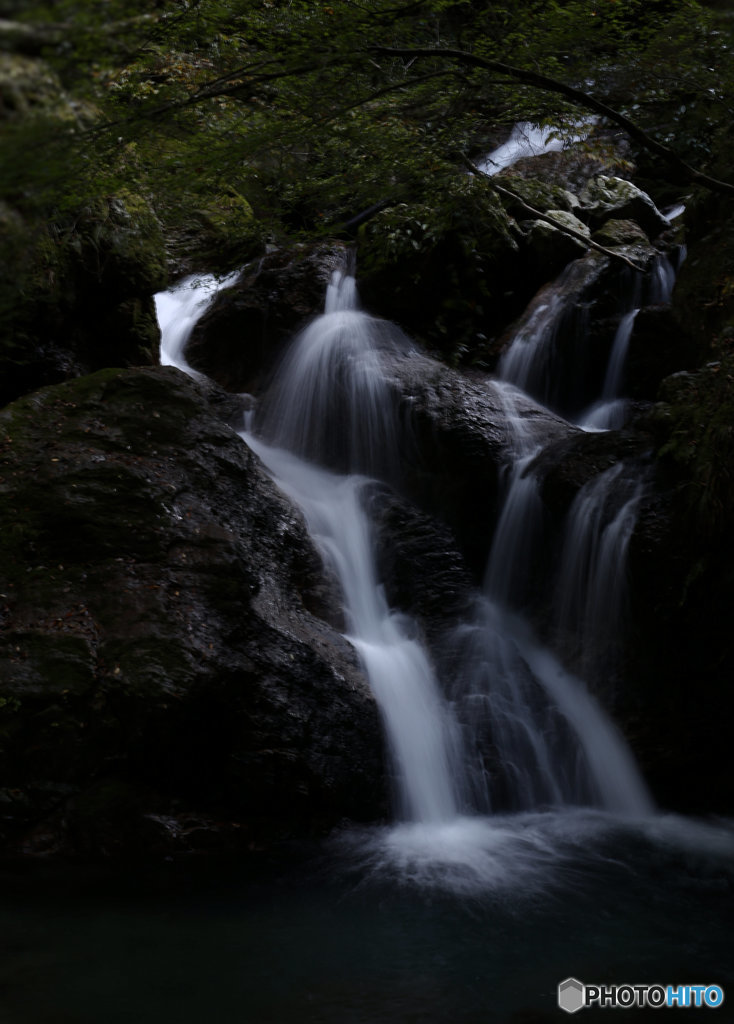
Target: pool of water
477 921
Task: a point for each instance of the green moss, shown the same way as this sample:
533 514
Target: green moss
541 195
231 232
441 270
118 241
620 232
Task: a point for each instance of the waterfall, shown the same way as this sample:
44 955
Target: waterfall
536 735
591 579
526 139
610 412
531 360
178 311
329 402
519 731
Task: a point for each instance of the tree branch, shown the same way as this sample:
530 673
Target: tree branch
577 96
587 242
397 87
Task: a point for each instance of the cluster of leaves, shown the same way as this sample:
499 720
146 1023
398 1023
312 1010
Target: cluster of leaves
309 112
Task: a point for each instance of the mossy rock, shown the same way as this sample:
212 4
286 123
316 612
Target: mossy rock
116 245
606 197
230 232
541 195
446 273
549 249
620 232
78 296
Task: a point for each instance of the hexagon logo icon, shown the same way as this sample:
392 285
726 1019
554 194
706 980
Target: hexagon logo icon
571 995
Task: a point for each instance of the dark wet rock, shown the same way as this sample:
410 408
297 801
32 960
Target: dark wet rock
681 582
549 248
579 312
562 310
242 334
566 465
420 565
457 444
658 348
169 649
702 299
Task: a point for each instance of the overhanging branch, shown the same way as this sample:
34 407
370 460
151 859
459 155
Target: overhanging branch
587 242
577 96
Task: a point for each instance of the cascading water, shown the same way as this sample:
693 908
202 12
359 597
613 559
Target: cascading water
178 311
530 735
591 580
554 334
329 403
610 412
552 743
526 139
350 930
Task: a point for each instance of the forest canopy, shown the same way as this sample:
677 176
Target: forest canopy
311 113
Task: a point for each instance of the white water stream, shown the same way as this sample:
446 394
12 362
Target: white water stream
512 728
552 744
422 737
526 139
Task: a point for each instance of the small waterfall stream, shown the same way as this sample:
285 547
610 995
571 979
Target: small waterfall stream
330 391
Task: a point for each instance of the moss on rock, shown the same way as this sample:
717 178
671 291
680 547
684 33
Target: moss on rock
620 232
78 297
446 272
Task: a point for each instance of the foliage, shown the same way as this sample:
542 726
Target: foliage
290 106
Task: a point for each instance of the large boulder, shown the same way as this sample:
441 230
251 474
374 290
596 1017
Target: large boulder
458 442
170 645
550 248
449 273
77 298
605 198
241 335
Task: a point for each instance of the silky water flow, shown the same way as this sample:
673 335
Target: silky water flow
512 730
525 848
